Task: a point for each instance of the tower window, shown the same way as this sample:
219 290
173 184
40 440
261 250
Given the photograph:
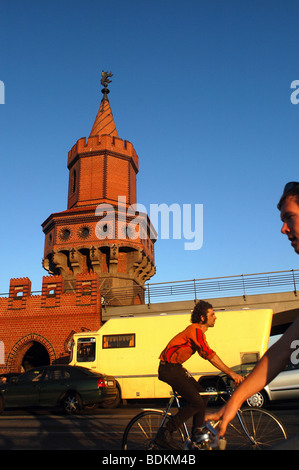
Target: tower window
73 181
84 231
65 234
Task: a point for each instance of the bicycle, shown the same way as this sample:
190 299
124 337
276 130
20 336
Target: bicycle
252 428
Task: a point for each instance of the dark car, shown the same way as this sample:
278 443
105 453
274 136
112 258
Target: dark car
4 378
71 387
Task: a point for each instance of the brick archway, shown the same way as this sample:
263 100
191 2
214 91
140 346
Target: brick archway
18 351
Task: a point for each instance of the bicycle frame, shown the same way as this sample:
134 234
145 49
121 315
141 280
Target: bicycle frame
239 416
243 427
175 398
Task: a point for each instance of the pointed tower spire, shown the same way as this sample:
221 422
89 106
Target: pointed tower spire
97 233
104 122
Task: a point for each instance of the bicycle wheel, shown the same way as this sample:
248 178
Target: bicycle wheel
261 425
141 431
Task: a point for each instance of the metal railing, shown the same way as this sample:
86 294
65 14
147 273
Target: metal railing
205 288
195 289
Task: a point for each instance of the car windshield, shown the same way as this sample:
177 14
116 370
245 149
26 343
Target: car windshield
86 349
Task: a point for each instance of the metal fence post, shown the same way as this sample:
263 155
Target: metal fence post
195 299
294 281
148 295
244 292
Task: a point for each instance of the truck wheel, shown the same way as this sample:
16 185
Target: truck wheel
210 386
112 402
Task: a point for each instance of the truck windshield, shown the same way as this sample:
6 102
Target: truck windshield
86 349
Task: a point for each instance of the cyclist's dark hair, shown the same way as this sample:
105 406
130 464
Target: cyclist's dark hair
292 192
200 310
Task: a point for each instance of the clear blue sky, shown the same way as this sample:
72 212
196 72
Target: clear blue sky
200 88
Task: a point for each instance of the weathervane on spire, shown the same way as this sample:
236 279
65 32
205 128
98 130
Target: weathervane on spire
104 81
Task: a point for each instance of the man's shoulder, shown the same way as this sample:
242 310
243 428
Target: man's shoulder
195 327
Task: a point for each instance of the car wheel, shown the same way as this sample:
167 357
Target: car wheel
257 400
72 403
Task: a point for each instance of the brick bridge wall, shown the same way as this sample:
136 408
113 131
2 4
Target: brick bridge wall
49 319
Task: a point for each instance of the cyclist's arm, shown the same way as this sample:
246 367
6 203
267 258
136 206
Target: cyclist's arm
266 370
273 362
217 362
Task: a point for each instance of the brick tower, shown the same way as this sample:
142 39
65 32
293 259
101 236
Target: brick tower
100 232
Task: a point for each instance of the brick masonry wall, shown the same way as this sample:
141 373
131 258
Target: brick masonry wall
28 318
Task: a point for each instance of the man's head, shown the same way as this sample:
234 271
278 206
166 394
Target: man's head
203 313
289 213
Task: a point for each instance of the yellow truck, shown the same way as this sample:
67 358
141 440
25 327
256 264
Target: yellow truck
128 348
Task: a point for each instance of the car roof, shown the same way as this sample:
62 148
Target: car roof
68 367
